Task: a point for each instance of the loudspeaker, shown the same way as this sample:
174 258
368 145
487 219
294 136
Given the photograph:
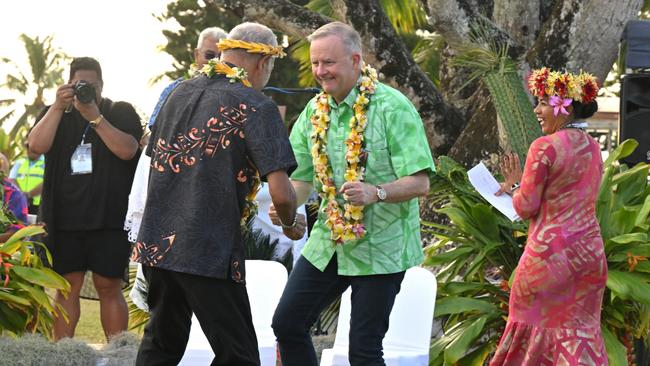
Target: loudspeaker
635 44
634 121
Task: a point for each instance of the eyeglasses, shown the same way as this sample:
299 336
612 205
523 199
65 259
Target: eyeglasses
209 55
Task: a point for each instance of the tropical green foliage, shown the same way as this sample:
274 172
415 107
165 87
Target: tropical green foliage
193 17
45 73
25 305
499 73
478 253
478 240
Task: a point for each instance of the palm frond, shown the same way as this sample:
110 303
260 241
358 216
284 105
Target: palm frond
406 16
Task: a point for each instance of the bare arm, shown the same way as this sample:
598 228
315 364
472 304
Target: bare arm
120 143
42 135
400 190
303 191
123 145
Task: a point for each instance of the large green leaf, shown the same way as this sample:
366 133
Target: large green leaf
642 216
616 352
456 305
37 293
630 238
42 276
630 184
485 219
449 256
462 345
629 286
11 298
21 234
623 150
478 356
11 319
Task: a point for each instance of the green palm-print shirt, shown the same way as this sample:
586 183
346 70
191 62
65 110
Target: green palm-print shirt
397 146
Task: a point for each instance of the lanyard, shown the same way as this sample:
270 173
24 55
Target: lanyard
83 137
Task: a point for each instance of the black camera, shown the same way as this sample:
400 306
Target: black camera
84 91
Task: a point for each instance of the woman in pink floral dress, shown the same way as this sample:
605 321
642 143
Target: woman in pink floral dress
556 296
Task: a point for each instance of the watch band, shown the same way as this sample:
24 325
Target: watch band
381 193
94 123
514 187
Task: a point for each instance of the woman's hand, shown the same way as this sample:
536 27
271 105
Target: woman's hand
511 170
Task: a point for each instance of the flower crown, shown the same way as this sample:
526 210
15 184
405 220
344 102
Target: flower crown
582 87
251 47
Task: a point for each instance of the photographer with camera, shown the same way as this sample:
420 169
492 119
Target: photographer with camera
91 151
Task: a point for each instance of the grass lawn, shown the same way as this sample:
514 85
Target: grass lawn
89 329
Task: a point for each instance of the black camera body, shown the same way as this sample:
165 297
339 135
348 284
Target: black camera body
84 91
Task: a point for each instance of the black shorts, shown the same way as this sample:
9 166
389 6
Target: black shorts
105 252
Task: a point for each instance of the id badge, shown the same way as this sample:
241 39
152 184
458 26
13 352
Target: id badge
82 161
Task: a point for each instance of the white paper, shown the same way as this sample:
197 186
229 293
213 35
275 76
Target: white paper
487 186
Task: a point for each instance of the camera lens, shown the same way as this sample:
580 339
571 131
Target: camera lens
84 91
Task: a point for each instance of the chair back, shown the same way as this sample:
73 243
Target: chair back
265 281
411 319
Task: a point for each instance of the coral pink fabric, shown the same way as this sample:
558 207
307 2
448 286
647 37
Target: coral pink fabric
556 296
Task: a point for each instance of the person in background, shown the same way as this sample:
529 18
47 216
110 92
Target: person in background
28 174
91 149
206 50
557 291
13 200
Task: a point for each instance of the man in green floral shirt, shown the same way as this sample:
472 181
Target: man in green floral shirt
361 144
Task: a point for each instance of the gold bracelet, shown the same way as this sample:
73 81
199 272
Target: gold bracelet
94 123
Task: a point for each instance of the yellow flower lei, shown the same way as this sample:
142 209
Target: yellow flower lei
251 47
214 67
210 69
344 225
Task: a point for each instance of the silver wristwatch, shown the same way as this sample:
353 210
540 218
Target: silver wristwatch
381 193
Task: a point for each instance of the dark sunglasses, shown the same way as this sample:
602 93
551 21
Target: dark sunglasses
209 55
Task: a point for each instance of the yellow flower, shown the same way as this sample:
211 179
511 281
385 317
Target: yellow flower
353 212
351 175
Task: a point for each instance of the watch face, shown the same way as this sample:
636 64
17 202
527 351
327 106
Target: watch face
381 193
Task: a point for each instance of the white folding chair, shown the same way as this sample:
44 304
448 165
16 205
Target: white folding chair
265 282
409 332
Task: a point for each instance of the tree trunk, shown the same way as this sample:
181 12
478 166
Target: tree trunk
583 35
518 18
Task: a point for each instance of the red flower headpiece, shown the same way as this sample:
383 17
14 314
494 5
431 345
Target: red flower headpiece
582 87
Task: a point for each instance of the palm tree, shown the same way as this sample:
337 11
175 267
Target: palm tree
45 72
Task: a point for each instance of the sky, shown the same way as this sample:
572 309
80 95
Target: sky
121 34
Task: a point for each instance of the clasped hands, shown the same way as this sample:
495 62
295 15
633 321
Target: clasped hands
65 98
511 170
294 233
356 193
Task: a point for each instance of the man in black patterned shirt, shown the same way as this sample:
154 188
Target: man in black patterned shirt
217 136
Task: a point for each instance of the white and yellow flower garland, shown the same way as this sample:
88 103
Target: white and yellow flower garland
214 67
346 225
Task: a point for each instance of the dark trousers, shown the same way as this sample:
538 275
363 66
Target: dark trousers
221 306
309 291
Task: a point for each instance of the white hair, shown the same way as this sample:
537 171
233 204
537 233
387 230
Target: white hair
348 35
253 32
213 32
